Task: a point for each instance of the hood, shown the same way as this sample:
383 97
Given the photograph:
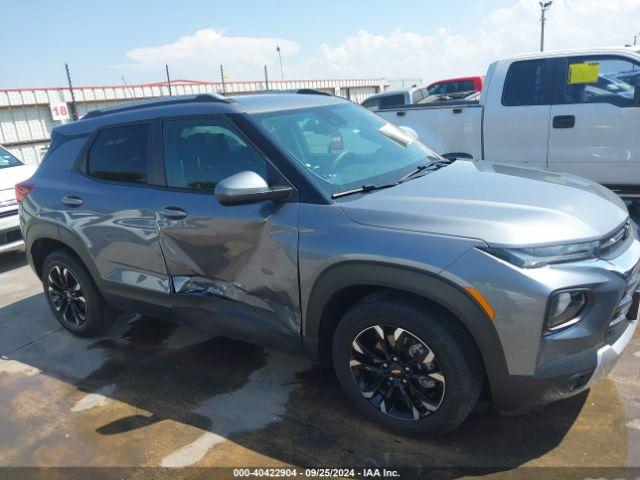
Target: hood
12 175
498 203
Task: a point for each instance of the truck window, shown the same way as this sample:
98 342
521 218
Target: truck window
371 103
600 79
392 101
524 84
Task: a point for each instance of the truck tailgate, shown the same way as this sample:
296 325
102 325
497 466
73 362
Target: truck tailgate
446 129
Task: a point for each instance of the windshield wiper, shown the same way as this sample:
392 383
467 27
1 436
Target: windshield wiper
415 171
367 187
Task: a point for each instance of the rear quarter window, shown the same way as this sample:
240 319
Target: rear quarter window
525 84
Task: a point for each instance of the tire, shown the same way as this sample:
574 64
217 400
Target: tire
95 317
455 374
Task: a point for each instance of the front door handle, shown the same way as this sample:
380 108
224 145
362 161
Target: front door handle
72 201
174 213
564 121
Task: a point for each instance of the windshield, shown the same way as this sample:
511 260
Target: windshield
7 159
345 146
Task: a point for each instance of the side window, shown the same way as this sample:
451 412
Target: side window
371 103
198 153
392 101
600 80
120 154
524 84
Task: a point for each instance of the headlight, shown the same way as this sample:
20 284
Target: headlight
565 309
540 256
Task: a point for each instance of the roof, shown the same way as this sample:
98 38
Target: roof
204 104
399 91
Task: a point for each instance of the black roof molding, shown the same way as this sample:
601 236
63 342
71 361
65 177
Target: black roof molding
160 102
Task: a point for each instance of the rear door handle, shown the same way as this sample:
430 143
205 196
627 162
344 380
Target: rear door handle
174 213
564 121
72 201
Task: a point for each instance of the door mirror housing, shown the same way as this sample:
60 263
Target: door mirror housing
248 187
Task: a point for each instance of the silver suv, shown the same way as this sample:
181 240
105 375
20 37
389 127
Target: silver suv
309 224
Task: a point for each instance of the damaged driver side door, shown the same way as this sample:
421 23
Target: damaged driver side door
233 268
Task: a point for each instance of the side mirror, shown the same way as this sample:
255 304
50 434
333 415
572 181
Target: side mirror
248 187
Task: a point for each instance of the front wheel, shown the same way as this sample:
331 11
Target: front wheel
73 297
406 366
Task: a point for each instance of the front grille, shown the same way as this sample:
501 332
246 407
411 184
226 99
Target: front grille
616 240
8 213
623 309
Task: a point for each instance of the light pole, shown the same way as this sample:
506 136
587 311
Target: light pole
635 39
280 58
543 10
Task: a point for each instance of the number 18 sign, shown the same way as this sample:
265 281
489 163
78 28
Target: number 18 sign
59 111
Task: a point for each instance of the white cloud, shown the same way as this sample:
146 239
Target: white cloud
447 51
505 31
199 56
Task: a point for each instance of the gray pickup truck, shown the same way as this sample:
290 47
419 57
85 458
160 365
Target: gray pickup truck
309 224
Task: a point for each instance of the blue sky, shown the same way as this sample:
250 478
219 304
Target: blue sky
103 40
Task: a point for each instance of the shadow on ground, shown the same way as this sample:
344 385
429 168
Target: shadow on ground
278 406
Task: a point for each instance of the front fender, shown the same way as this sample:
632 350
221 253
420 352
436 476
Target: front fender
428 285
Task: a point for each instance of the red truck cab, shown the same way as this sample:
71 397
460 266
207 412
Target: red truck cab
455 85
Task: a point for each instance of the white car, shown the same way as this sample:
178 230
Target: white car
12 171
575 112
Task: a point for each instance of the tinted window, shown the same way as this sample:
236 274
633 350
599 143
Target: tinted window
371 103
120 154
600 80
392 101
524 84
199 153
7 159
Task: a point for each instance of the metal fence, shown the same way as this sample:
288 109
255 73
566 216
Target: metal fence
26 117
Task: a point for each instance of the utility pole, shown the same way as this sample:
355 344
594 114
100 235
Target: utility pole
266 78
280 58
224 89
168 79
543 10
74 110
635 39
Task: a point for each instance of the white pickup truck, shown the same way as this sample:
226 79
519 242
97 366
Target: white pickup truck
576 112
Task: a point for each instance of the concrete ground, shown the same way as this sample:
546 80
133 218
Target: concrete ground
153 393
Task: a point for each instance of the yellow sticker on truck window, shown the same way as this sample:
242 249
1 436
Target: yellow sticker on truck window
583 73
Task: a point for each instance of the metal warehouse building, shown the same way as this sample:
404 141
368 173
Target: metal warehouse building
27 115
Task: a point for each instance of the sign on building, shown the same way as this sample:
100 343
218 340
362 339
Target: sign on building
59 111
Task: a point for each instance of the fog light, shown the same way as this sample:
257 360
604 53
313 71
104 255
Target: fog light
565 309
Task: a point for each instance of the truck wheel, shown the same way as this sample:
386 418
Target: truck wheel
73 297
406 366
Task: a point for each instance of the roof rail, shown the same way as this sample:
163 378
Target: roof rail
301 91
158 102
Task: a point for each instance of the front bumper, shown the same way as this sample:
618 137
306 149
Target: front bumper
559 379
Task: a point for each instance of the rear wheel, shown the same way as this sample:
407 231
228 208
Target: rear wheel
408 367
73 297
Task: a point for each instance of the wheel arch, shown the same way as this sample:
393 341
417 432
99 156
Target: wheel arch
340 286
44 238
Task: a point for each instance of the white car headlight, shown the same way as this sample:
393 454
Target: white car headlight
530 257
